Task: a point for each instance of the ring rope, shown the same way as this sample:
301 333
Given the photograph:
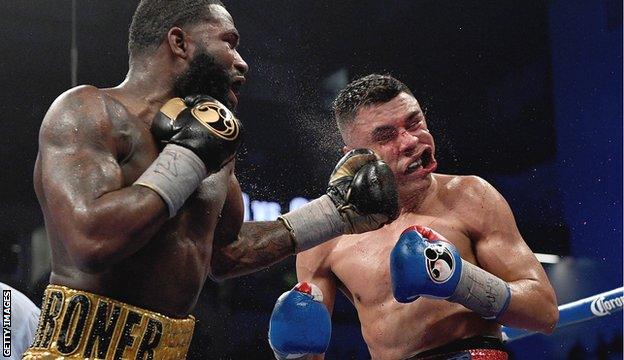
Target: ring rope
603 304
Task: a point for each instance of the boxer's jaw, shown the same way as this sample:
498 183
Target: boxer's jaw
204 76
236 82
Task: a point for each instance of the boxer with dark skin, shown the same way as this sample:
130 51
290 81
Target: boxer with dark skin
380 113
140 200
111 238
116 239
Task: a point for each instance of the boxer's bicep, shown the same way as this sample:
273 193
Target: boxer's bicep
76 161
499 247
501 250
312 267
76 172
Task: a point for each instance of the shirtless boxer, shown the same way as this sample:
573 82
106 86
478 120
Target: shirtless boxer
380 113
141 204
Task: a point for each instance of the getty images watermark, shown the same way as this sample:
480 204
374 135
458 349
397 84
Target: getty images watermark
6 323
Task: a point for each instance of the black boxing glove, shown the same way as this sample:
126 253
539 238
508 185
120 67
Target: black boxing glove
361 196
364 190
196 136
201 124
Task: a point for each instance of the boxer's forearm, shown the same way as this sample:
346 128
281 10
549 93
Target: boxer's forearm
259 245
533 306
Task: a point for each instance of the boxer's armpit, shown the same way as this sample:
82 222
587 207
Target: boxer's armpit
259 245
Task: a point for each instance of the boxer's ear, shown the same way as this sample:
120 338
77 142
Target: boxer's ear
177 40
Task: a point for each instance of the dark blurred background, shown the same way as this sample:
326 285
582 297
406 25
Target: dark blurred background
527 95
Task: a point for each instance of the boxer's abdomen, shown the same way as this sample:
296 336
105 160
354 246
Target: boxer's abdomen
167 274
171 270
401 330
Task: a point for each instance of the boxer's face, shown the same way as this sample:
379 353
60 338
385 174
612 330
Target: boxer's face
215 68
397 132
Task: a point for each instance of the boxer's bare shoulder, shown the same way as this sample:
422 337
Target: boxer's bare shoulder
471 198
88 117
479 206
75 113
460 189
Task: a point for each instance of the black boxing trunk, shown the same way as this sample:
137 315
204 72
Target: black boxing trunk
474 348
76 324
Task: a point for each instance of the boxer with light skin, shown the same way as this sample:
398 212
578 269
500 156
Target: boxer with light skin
460 219
141 202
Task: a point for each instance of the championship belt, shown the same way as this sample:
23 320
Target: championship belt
76 324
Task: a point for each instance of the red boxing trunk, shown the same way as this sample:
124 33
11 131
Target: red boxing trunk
475 348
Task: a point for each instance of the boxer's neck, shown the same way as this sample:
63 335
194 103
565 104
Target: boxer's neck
143 83
150 78
417 199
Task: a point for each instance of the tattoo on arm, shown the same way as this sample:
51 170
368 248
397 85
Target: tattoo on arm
259 245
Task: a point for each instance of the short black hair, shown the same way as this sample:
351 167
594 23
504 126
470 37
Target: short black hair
152 20
367 90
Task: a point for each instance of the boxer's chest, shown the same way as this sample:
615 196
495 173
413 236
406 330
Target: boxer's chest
362 262
197 219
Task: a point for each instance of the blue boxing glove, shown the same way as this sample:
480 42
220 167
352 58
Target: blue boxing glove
300 323
424 263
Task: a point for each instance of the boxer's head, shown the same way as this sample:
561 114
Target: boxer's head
201 39
380 113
